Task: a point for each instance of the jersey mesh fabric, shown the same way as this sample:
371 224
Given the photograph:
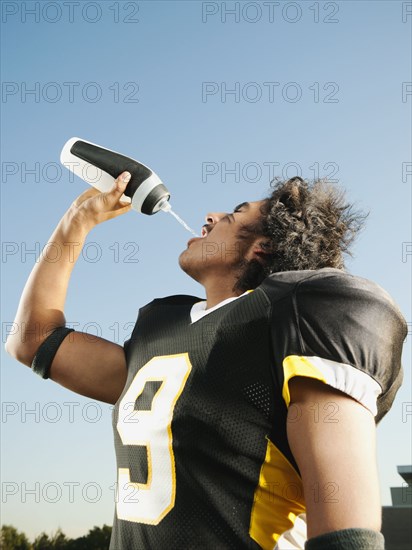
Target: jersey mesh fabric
231 404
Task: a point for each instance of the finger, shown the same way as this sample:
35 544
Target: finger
120 184
118 210
120 205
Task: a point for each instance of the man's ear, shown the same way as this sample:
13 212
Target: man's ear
262 249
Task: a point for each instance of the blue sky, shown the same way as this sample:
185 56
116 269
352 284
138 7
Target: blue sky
320 88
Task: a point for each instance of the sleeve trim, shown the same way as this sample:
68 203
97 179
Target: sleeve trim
345 378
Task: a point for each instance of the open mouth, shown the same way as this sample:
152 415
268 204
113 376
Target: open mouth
206 229
203 234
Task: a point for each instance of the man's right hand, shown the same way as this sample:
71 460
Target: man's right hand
93 207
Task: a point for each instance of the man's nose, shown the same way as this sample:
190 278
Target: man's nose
214 217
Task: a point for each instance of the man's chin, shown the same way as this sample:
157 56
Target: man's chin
186 263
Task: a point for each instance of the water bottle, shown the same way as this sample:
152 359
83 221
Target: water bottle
145 190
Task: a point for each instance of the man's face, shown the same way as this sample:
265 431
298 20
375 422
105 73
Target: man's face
221 250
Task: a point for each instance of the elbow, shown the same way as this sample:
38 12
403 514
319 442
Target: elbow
10 347
20 352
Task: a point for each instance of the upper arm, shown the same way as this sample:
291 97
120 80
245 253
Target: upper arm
91 366
332 438
337 342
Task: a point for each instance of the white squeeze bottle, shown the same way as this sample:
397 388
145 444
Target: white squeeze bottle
145 190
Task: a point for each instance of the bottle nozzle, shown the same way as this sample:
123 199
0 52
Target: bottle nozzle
164 205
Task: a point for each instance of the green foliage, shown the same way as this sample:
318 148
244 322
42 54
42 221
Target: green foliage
58 541
97 538
11 539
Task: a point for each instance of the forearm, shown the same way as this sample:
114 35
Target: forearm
41 306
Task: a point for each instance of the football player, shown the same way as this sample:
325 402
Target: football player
244 419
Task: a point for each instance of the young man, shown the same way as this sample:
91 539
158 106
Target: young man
242 418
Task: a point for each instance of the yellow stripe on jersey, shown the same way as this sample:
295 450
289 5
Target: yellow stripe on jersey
278 499
294 365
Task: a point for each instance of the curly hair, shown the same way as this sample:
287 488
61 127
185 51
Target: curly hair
305 226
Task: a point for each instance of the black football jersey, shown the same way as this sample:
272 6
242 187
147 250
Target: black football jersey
200 427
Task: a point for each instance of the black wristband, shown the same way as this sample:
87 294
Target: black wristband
347 539
47 350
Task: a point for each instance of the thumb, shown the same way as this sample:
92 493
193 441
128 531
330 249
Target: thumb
120 184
